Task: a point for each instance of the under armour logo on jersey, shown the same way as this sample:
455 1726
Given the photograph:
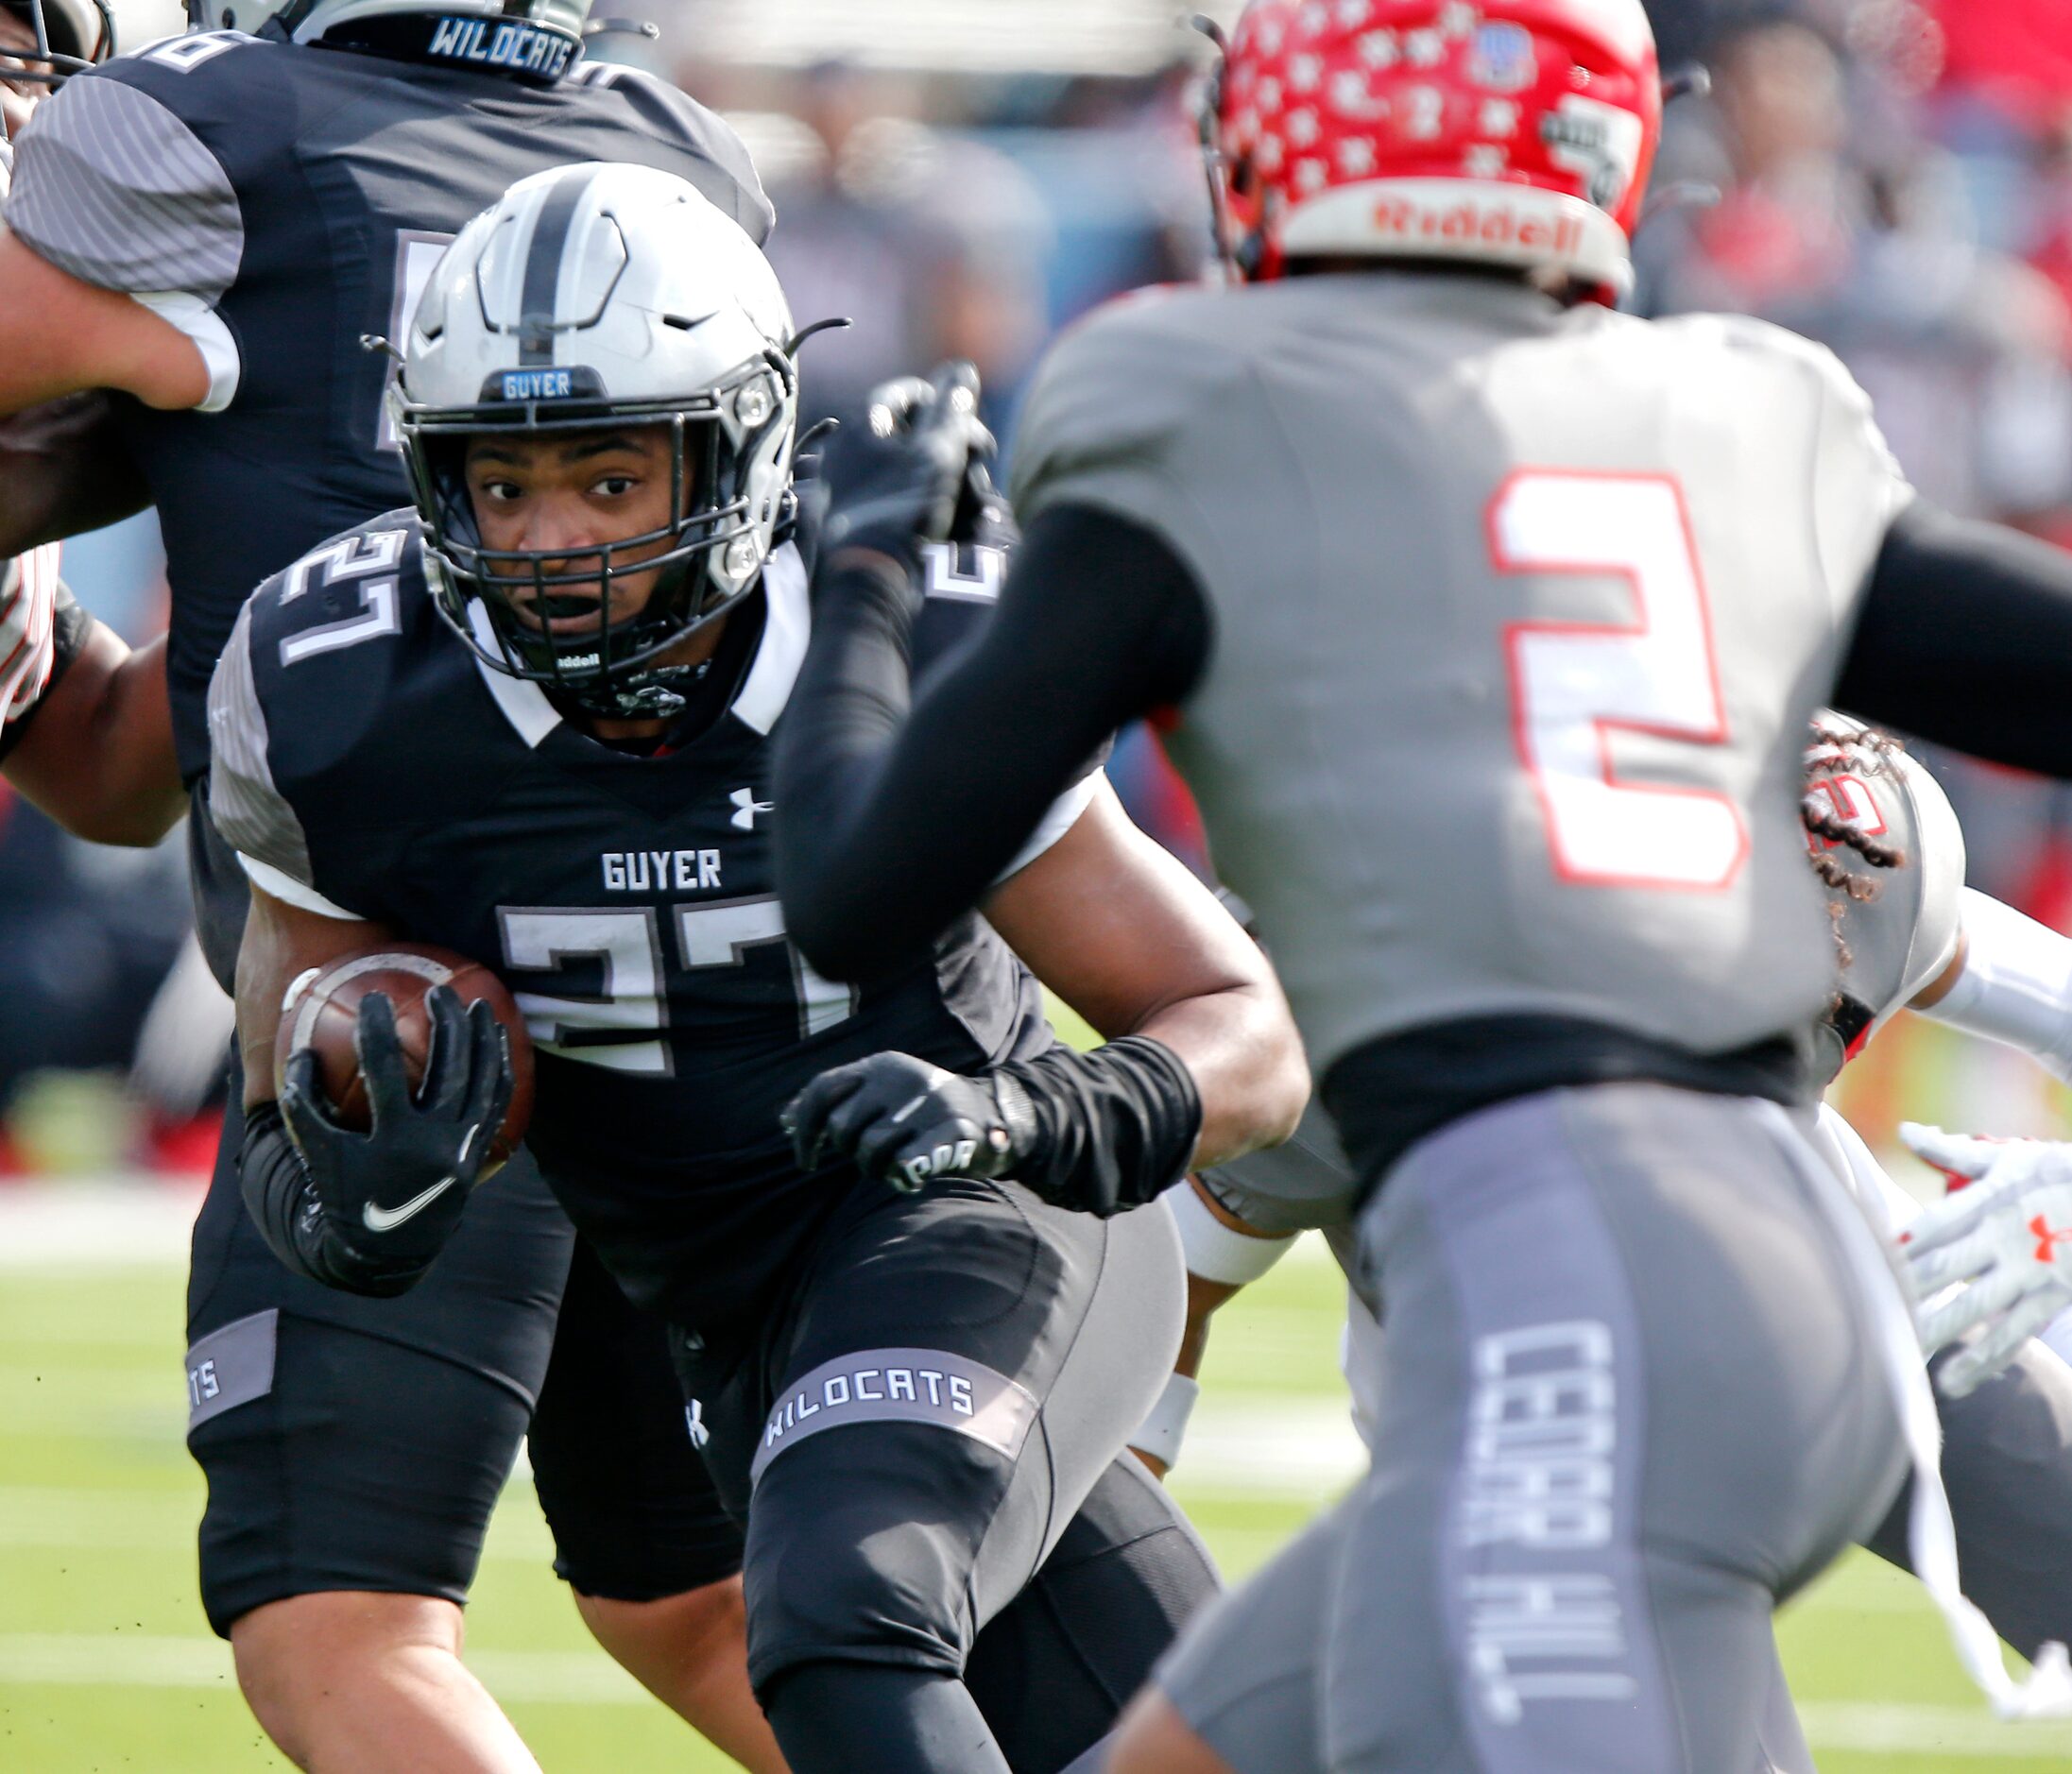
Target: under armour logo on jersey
694 1419
746 807
2048 1240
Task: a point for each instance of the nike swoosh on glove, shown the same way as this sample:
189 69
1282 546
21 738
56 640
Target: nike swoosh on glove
380 1206
2002 1239
905 1122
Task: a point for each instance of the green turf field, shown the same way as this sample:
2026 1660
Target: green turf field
105 1663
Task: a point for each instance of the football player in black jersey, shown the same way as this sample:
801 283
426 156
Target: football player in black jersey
531 722
211 226
101 759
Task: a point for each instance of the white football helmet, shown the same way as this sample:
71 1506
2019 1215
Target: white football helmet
600 295
304 21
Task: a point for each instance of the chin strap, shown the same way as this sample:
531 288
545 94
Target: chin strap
646 701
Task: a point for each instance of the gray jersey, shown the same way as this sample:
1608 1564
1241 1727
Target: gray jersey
1518 614
1900 938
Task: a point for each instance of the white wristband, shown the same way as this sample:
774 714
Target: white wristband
212 339
2017 984
1216 1252
1165 1425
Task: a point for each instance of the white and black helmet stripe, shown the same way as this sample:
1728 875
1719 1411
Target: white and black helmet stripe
551 231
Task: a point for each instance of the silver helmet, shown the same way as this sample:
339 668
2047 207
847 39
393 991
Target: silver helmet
537 37
589 295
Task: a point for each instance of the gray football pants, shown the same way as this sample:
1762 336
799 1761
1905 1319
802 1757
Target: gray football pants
1631 1399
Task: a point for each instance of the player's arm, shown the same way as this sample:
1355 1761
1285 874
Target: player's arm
95 750
1222 1254
366 1212
123 231
2011 980
63 470
1965 637
1202 1064
61 334
1118 927
1097 623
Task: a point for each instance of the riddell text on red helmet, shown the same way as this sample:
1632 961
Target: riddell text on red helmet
1491 224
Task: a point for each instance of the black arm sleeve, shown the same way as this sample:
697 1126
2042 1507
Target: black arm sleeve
1113 1128
278 1193
1965 639
892 823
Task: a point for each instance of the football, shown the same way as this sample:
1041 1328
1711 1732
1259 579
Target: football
322 1007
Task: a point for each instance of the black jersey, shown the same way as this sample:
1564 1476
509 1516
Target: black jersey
280 203
366 763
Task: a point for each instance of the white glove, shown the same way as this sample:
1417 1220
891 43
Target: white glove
2005 1230
29 603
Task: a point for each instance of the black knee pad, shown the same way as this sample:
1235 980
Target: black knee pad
1053 1670
861 1548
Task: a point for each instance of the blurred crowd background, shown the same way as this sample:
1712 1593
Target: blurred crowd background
962 177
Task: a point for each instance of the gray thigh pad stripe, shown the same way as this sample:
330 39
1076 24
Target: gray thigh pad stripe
231 1365
900 1386
1543 1580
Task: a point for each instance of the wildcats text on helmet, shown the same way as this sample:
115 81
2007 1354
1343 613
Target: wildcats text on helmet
524 47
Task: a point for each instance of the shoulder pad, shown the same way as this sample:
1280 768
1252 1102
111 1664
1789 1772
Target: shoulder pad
1125 396
669 115
120 181
308 682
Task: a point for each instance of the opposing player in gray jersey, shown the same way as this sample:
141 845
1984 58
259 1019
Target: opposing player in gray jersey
1908 931
1491 620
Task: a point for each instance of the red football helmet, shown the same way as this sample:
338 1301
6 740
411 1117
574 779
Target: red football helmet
1506 132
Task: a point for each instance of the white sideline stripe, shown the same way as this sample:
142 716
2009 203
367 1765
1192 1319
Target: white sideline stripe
590 1678
1239 1441
1937 1733
101 1222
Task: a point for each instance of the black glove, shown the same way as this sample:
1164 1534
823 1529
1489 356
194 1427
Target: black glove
379 1206
914 473
903 1122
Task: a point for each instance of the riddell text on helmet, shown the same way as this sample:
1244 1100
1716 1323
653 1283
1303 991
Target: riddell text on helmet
1491 224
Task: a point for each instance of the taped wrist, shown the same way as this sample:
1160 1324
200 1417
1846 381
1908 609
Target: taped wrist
1111 1129
1164 1426
1216 1251
281 1197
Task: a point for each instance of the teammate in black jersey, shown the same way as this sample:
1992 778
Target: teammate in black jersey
211 227
531 722
100 761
